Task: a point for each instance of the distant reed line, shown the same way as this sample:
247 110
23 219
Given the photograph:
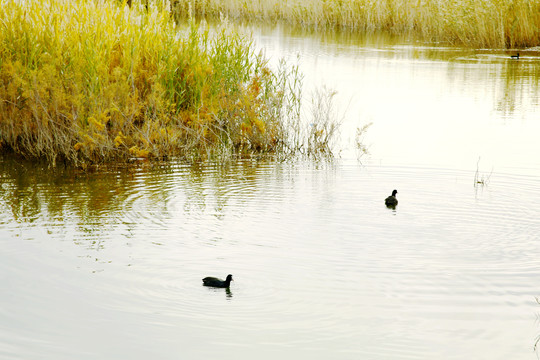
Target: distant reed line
474 23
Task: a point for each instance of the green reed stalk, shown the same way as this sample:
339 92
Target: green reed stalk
89 81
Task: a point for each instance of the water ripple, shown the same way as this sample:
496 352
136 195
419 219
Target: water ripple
320 264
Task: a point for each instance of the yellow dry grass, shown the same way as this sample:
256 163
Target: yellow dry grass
87 81
475 23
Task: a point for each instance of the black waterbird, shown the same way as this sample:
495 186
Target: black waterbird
515 56
215 282
391 201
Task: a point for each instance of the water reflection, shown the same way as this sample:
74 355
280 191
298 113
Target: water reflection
122 199
30 191
324 266
430 105
227 291
521 87
513 85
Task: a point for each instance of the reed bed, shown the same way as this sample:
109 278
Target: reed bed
86 81
474 23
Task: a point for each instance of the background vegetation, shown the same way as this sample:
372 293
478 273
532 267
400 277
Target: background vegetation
92 81
476 23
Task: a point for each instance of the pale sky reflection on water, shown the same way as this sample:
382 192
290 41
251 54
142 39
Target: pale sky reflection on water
430 106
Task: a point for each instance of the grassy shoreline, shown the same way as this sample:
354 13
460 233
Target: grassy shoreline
95 81
496 24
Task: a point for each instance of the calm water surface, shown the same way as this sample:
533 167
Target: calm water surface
107 264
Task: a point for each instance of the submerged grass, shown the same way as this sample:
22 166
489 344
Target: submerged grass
476 23
481 179
92 81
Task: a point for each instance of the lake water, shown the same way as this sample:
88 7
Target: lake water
107 264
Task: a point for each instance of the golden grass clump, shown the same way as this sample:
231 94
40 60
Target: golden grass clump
94 80
475 23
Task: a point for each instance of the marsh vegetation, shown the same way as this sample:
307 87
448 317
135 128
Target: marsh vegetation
476 23
481 179
97 81
92 81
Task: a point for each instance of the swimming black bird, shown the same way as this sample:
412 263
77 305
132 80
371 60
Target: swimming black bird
391 201
515 56
215 282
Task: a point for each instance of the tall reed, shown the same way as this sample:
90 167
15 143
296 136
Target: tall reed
475 23
95 80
